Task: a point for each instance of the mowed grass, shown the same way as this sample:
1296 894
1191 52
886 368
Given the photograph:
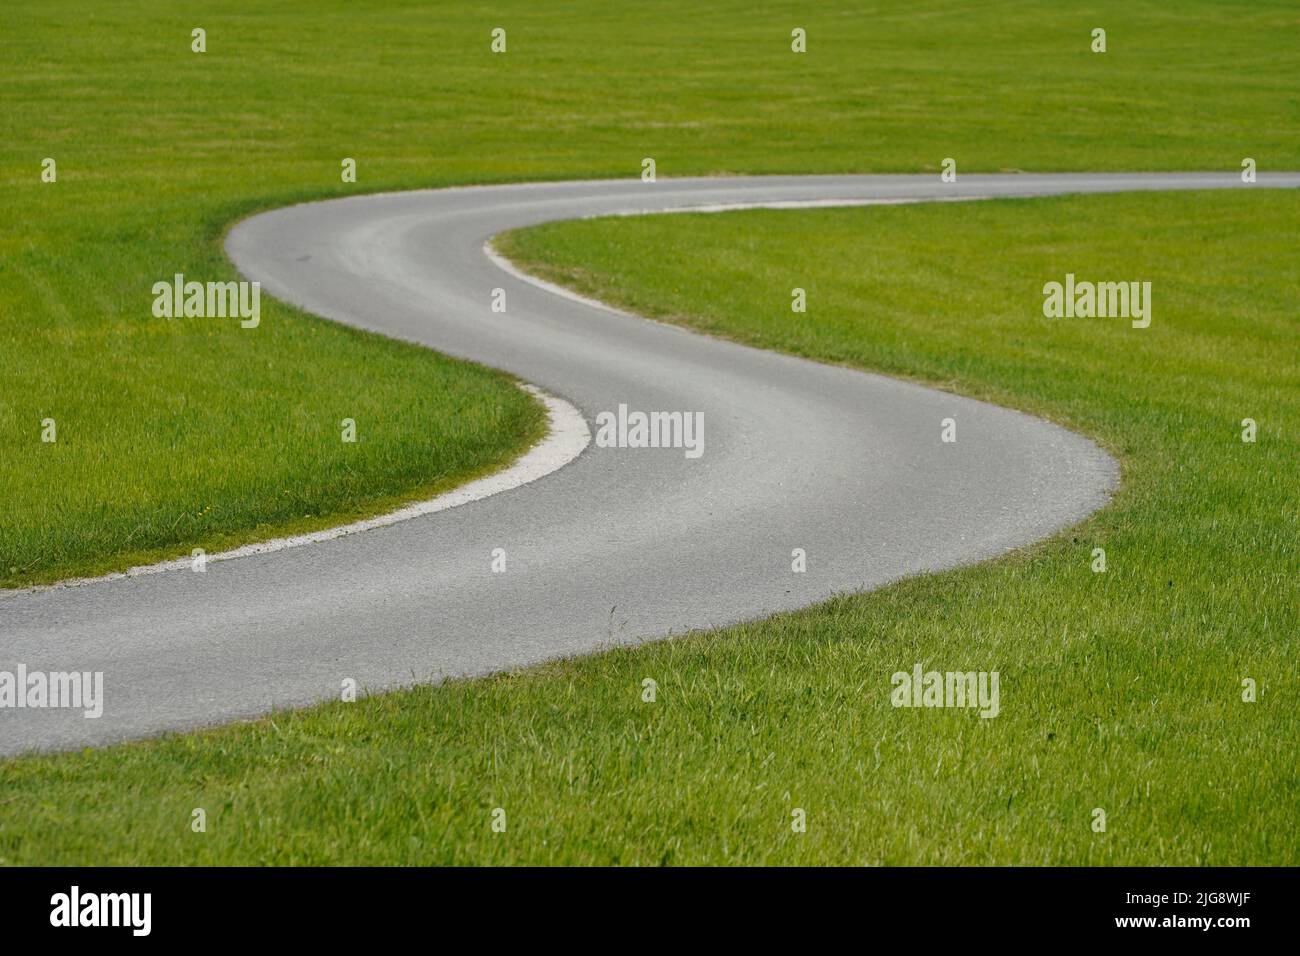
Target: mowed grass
173 434
1120 691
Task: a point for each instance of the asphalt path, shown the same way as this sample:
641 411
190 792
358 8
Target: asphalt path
618 546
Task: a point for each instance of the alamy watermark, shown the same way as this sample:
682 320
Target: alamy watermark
626 429
922 688
1086 300
213 300
80 690
130 910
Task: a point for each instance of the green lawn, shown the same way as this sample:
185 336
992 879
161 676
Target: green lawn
1120 691
173 434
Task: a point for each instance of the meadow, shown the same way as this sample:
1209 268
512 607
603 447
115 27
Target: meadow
1121 690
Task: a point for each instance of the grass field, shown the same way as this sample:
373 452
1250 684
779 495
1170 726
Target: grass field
181 433
1121 690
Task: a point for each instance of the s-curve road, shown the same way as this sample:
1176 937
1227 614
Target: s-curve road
620 545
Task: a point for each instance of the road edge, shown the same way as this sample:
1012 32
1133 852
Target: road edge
566 438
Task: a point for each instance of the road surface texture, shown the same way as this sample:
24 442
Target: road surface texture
620 545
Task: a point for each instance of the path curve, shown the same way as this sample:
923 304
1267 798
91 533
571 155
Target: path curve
620 545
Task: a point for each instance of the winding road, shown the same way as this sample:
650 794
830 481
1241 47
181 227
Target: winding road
618 546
